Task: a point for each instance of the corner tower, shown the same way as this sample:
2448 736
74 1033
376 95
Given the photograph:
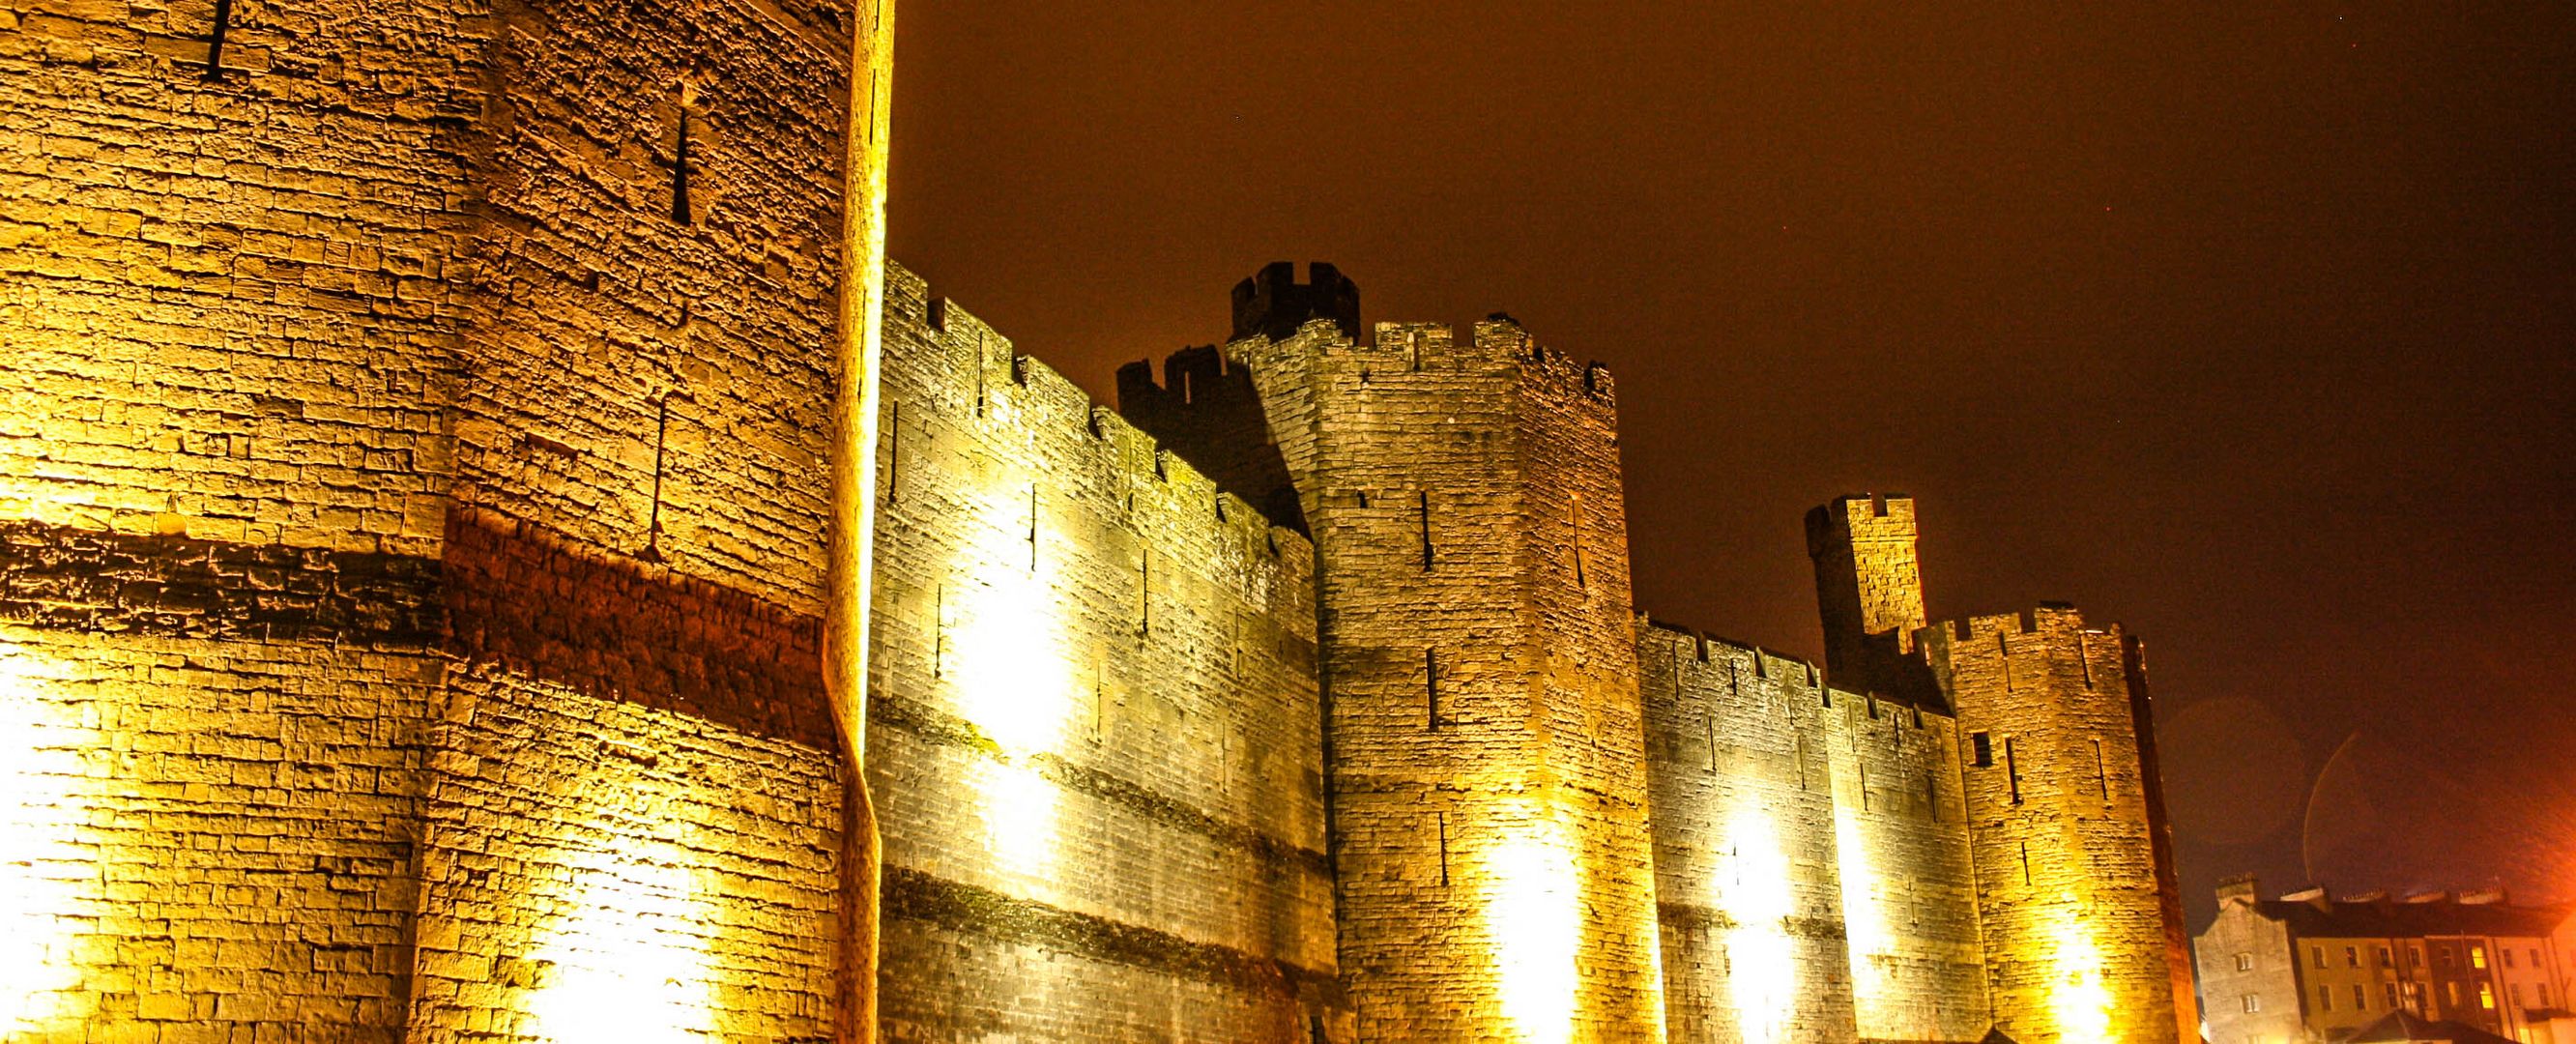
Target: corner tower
2075 902
2069 888
1486 771
1869 590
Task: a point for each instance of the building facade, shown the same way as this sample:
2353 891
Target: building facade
417 500
2308 966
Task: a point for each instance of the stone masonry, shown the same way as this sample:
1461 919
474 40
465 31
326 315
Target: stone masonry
415 454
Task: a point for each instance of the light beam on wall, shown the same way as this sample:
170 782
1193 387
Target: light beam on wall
49 875
627 961
1535 917
1754 892
2079 999
1010 677
1864 919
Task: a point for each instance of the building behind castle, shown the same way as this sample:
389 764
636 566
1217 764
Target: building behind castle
2309 966
413 513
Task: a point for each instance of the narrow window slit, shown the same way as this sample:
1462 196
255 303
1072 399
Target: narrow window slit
1426 530
894 449
2012 770
1443 818
1708 723
1431 687
661 437
223 24
680 174
2101 770
1145 593
1574 519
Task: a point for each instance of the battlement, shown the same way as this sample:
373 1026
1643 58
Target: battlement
1497 344
1708 648
1273 303
2044 616
1860 516
1206 410
947 368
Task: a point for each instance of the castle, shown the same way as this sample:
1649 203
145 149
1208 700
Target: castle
439 502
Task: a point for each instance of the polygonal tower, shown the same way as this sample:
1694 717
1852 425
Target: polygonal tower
414 411
2063 804
1486 770
1869 589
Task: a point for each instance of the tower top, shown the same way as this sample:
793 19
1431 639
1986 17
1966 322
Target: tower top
1274 303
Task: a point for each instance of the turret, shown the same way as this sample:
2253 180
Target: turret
1272 303
1487 780
1869 591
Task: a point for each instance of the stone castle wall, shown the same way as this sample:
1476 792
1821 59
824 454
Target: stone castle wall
1487 778
1812 866
635 806
1747 871
1908 874
413 544
2069 900
223 464
412 508
1095 736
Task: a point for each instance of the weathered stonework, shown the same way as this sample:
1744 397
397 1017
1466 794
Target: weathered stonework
2067 890
1488 774
415 489
1096 743
1812 865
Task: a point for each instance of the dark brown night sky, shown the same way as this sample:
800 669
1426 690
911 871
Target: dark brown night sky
2254 330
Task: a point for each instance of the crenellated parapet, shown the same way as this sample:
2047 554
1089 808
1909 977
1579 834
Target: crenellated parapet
1488 781
1095 732
2057 794
1812 863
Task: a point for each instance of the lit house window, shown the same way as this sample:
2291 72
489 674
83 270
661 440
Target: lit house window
2477 956
2486 996
2244 962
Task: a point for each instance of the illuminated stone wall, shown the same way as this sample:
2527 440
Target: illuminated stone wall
2073 922
1487 780
1812 857
1869 594
1095 736
1908 877
203 833
631 825
223 470
1746 831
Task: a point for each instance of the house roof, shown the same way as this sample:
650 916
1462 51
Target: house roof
2403 1027
2384 918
